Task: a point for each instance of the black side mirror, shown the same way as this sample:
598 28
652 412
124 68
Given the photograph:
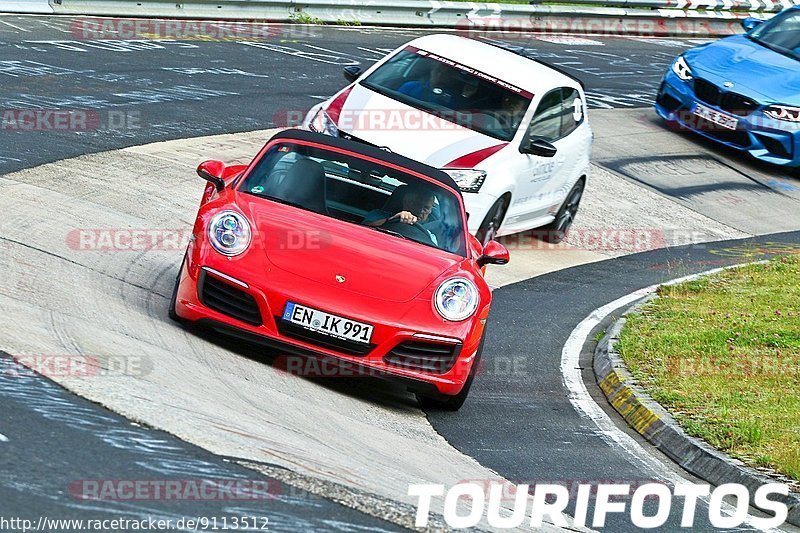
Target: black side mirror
211 171
750 22
538 147
352 72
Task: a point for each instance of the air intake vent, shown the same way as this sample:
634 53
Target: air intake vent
427 356
228 299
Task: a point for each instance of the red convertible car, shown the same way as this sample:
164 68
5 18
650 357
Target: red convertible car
328 247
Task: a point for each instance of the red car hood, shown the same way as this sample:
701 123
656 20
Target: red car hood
321 248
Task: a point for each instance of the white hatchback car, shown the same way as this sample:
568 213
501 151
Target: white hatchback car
511 131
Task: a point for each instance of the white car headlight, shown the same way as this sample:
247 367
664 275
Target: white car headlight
229 233
681 69
322 123
467 179
783 112
456 299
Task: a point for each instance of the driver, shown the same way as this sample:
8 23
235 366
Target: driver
417 205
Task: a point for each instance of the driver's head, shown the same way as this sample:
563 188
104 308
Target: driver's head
420 202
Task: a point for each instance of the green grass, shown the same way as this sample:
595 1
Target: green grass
722 354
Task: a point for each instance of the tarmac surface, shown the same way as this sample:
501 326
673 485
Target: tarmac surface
668 207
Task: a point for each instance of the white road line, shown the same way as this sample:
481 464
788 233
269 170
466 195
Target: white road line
3 438
586 406
13 26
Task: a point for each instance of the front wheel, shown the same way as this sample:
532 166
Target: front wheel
454 403
555 232
491 223
173 314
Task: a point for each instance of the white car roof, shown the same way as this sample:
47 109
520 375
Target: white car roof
518 70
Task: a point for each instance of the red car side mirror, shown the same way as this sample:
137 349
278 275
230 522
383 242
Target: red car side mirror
212 171
494 253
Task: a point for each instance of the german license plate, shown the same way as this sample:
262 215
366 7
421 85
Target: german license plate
326 323
712 115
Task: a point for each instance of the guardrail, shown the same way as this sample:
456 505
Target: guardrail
649 18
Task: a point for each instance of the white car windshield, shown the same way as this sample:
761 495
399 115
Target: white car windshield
451 91
360 191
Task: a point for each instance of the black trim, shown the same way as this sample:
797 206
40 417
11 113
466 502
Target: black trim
228 299
369 151
423 387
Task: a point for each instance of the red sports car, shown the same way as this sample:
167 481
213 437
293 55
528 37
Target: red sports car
328 247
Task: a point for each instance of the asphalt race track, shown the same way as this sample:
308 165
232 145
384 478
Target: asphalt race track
224 398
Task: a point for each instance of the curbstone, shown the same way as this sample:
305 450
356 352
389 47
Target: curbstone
655 424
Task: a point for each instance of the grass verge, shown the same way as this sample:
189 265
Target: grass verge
722 354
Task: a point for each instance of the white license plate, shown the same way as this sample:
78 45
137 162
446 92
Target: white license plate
322 322
720 119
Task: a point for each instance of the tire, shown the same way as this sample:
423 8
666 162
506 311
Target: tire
454 403
173 314
494 218
555 232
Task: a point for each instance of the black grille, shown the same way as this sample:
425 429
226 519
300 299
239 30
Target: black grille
667 101
775 146
427 356
737 137
731 102
228 299
288 329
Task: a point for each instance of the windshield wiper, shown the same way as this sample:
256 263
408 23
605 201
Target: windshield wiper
280 200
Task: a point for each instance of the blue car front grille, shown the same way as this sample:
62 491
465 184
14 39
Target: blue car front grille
726 100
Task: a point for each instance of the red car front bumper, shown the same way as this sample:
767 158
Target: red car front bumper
255 307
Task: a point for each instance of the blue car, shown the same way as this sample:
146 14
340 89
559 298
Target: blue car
742 91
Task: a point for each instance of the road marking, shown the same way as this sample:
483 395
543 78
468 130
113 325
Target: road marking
3 438
13 26
587 407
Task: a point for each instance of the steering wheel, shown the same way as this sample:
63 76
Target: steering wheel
413 231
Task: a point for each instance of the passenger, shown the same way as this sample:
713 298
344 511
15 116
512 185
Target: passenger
434 89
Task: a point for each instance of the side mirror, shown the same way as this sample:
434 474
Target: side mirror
211 171
538 147
352 72
494 253
750 22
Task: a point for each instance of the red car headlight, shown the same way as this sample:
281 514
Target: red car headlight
229 233
456 299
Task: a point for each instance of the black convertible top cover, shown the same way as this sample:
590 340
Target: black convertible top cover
369 151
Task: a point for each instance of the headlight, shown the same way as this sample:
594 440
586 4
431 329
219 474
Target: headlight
456 299
783 112
322 123
468 180
681 69
229 233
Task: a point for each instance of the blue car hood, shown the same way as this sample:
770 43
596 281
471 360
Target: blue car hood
756 71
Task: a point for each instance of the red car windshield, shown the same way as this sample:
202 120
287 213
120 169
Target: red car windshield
361 192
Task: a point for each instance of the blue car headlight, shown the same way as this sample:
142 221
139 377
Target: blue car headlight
783 112
681 69
229 233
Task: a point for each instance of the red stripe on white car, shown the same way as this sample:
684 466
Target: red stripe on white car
473 158
335 109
